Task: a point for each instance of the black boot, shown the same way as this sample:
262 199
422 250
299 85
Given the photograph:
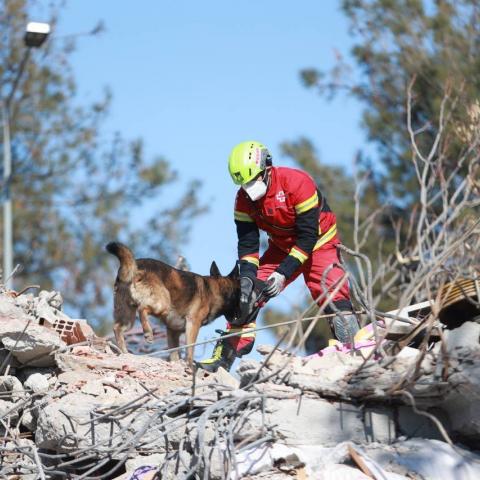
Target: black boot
223 356
344 326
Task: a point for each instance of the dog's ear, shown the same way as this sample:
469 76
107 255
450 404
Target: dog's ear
235 272
214 271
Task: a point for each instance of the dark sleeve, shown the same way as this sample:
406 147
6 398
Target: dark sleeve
248 248
306 226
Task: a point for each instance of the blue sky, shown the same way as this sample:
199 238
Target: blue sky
195 78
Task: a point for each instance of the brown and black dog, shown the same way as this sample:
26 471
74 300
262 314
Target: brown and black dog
183 301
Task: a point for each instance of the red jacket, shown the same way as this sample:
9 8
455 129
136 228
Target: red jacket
294 215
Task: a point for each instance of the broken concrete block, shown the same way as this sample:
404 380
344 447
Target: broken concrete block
316 422
46 314
26 301
9 310
65 424
36 383
411 424
73 377
429 459
53 298
94 388
278 357
11 388
328 369
61 417
463 404
8 411
217 459
324 363
379 424
17 460
30 343
205 436
408 352
222 377
249 370
8 361
467 335
277 391
314 382
29 421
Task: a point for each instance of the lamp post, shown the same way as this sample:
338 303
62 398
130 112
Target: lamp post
35 35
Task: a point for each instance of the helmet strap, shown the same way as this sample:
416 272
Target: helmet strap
266 177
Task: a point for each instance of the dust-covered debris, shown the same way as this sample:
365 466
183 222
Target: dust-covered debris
73 407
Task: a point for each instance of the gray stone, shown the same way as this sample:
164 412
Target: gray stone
37 383
30 343
8 411
11 388
465 336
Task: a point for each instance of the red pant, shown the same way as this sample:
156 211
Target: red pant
312 270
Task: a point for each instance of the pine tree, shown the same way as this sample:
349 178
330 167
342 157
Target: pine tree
436 43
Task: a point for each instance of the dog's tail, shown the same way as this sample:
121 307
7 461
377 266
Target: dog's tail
128 265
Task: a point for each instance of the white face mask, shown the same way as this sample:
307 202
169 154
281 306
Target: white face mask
255 189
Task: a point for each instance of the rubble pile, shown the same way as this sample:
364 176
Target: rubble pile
71 406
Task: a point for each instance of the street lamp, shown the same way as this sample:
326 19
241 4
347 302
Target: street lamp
35 35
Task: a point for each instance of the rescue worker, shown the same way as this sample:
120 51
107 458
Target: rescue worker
302 239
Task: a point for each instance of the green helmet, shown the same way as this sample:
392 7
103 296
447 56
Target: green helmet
247 160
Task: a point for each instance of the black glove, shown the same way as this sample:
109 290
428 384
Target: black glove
247 296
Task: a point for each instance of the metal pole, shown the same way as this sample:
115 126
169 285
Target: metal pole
7 180
7 200
36 34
